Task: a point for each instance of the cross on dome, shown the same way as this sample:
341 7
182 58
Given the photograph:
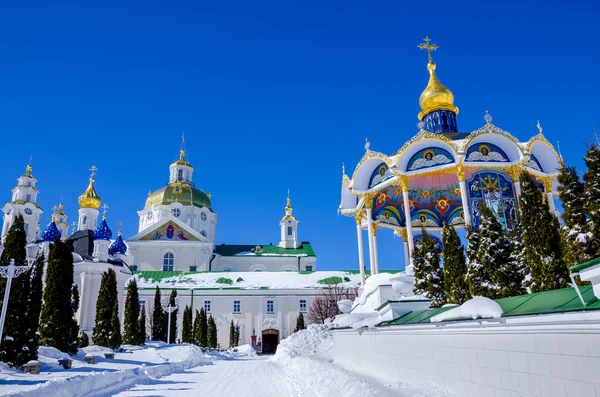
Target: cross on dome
488 117
105 210
428 47
93 169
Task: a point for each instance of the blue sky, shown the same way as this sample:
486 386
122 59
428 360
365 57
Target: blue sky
271 96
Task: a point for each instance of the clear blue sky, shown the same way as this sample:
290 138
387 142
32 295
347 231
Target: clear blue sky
273 95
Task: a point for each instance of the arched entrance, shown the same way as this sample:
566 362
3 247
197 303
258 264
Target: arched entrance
270 340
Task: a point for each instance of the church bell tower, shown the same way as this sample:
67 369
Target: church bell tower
289 228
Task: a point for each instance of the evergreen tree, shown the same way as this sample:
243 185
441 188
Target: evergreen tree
517 256
492 251
196 336
173 315
237 335
159 319
74 325
107 296
57 322
212 332
115 340
132 315
541 239
203 330
455 267
82 340
472 248
299 323
591 180
34 308
16 323
231 335
141 329
429 277
187 332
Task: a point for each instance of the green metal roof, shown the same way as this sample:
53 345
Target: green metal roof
305 249
583 266
548 302
188 195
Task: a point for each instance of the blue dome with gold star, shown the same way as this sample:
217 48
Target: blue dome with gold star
50 233
102 232
118 246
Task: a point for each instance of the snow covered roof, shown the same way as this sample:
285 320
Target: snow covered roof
305 249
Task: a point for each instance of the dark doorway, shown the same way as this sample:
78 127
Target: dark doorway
270 340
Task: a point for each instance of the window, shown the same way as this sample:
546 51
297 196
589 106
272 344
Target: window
289 230
176 212
27 229
83 220
237 307
203 233
270 307
28 211
177 189
207 306
180 175
28 198
28 184
149 216
203 216
168 262
302 305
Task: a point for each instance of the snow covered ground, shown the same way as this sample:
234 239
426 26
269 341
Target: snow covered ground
302 367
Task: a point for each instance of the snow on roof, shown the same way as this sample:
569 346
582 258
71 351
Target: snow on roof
248 280
478 307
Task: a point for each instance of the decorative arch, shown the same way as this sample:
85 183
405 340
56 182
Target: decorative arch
388 207
506 147
168 260
412 151
496 190
486 152
545 156
258 268
534 163
366 167
429 157
380 175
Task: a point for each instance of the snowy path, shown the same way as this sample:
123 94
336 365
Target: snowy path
236 378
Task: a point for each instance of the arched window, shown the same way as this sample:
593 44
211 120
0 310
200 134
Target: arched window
168 262
180 175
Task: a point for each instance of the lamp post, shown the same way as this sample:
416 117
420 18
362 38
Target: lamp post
11 271
169 309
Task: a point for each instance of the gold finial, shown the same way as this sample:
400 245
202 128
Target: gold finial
288 208
428 47
488 117
539 127
105 208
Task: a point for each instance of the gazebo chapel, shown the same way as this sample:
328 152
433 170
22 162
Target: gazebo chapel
440 175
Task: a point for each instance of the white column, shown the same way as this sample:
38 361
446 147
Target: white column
361 259
464 195
370 236
375 268
517 185
550 198
409 233
406 255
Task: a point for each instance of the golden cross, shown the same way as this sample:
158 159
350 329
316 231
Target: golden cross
93 169
428 47
120 223
105 208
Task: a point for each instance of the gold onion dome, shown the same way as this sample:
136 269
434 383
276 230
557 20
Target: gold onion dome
182 160
89 198
436 96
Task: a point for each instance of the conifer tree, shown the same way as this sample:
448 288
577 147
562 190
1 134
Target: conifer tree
541 239
471 250
173 316
57 322
492 251
212 332
517 257
203 330
74 325
34 308
231 335
237 335
455 267
132 314
115 340
104 308
196 336
591 180
141 329
159 319
82 340
299 323
187 332
429 277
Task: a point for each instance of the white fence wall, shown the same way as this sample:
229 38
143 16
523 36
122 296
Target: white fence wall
546 355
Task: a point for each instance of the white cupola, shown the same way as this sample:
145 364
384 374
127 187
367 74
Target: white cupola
289 228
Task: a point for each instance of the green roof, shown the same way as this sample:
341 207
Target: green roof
584 266
305 249
187 195
548 302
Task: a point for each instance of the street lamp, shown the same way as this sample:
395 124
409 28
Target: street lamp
169 309
11 271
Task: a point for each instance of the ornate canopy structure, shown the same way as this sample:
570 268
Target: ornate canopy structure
440 175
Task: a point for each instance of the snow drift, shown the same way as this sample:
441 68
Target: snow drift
478 307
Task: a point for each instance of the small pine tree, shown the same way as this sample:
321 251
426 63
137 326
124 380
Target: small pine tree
517 258
159 319
173 316
83 340
455 267
74 325
429 277
237 335
34 308
141 329
491 253
299 323
196 336
107 296
591 180
187 332
541 239
57 322
132 314
231 335
212 332
115 340
203 333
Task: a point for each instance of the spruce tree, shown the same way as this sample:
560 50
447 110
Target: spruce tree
132 314
115 340
231 335
299 323
492 251
237 335
187 332
141 329
517 257
57 322
173 315
16 323
74 326
34 308
541 239
212 332
591 180
104 308
455 267
83 340
196 336
203 333
159 319
429 277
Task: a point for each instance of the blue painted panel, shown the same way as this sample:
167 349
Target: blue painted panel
485 151
429 157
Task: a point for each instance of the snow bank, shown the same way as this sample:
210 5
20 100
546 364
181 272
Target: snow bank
243 351
478 307
372 283
313 340
355 321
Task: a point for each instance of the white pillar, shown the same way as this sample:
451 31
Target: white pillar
409 233
406 255
517 185
370 236
376 263
361 259
464 195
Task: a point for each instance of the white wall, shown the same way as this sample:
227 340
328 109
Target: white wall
549 355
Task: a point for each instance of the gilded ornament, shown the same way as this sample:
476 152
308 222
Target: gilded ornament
404 182
358 216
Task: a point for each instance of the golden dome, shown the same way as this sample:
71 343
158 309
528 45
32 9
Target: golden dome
182 193
89 198
182 160
436 96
